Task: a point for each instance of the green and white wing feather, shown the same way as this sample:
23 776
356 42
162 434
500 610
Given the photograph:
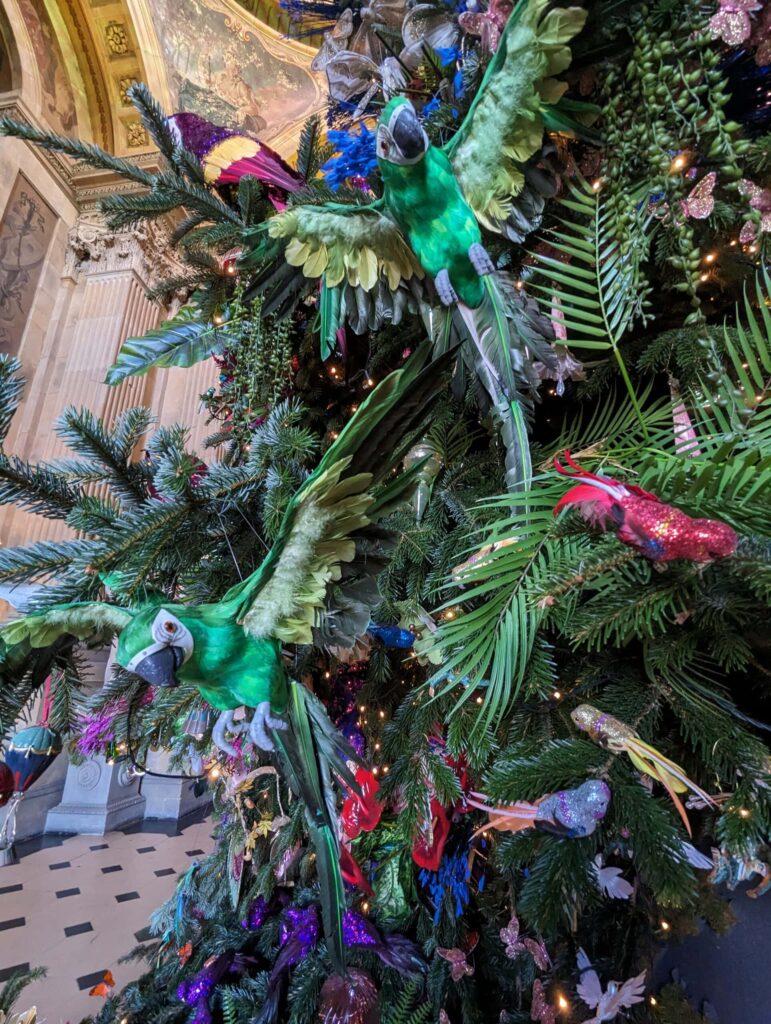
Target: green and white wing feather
331 519
518 101
85 620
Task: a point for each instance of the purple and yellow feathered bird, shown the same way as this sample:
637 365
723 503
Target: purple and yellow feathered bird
227 155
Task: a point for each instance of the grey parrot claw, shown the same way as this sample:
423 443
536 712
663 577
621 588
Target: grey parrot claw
227 723
444 289
261 722
480 259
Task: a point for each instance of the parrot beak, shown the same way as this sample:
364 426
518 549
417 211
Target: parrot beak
408 134
159 667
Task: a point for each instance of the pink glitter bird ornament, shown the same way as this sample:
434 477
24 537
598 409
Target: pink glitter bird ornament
660 532
760 200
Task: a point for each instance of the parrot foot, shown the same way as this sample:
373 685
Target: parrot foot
227 723
447 294
261 722
480 259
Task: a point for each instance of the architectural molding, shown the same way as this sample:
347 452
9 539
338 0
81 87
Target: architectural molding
12 105
92 248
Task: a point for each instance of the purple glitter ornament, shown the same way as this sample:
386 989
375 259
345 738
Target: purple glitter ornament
357 931
200 986
300 927
257 915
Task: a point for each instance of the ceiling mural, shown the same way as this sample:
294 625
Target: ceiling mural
233 70
58 97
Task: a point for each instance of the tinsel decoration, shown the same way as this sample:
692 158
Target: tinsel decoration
349 1000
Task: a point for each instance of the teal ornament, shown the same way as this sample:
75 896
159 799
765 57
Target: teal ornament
29 753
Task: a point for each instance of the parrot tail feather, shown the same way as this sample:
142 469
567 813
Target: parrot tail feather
313 751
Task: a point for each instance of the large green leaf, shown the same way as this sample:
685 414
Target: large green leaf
183 341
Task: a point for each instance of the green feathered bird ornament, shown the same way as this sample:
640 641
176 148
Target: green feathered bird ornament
317 580
373 260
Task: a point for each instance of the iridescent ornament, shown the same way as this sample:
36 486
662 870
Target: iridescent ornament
422 452
571 813
565 367
30 752
351 999
617 737
198 722
660 532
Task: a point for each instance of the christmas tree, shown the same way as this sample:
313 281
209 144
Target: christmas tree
504 731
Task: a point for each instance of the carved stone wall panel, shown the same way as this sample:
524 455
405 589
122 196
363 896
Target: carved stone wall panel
26 230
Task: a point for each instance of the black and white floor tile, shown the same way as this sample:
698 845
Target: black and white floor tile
76 904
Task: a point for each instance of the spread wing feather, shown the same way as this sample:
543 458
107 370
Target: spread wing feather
335 510
503 132
85 620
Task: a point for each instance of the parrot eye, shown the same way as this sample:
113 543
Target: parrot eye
169 626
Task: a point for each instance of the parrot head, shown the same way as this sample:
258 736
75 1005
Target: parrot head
154 645
401 138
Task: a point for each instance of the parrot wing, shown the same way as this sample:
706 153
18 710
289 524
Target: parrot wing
497 149
325 539
85 620
368 273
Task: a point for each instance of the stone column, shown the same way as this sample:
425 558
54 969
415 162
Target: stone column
102 302
168 797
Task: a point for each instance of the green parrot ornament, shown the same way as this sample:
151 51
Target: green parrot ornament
315 584
373 260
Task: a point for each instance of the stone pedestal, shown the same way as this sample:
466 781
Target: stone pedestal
168 798
98 797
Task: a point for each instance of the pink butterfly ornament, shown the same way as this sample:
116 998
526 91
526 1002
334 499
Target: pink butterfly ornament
732 22
516 946
457 959
540 1010
700 202
760 200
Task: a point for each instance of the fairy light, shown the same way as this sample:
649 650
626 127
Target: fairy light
362 708
377 746
597 184
745 812
557 695
369 383
679 162
231 269
385 769
333 371
665 926
752 248
365 906
327 675
562 1003
375 770
334 435
215 772
479 700
381 714
710 257
733 241
653 1001
704 277
520 285
217 319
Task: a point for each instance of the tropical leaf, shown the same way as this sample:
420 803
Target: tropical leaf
593 288
183 341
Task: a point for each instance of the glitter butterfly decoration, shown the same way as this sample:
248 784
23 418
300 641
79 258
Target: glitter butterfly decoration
540 1010
515 946
699 203
760 199
732 21
458 960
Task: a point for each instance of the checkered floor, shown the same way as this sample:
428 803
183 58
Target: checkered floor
75 904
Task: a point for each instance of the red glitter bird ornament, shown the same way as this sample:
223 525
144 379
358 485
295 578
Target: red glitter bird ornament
660 532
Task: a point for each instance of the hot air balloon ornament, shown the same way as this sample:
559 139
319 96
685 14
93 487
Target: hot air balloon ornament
30 751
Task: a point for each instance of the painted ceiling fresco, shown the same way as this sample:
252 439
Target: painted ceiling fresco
229 68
